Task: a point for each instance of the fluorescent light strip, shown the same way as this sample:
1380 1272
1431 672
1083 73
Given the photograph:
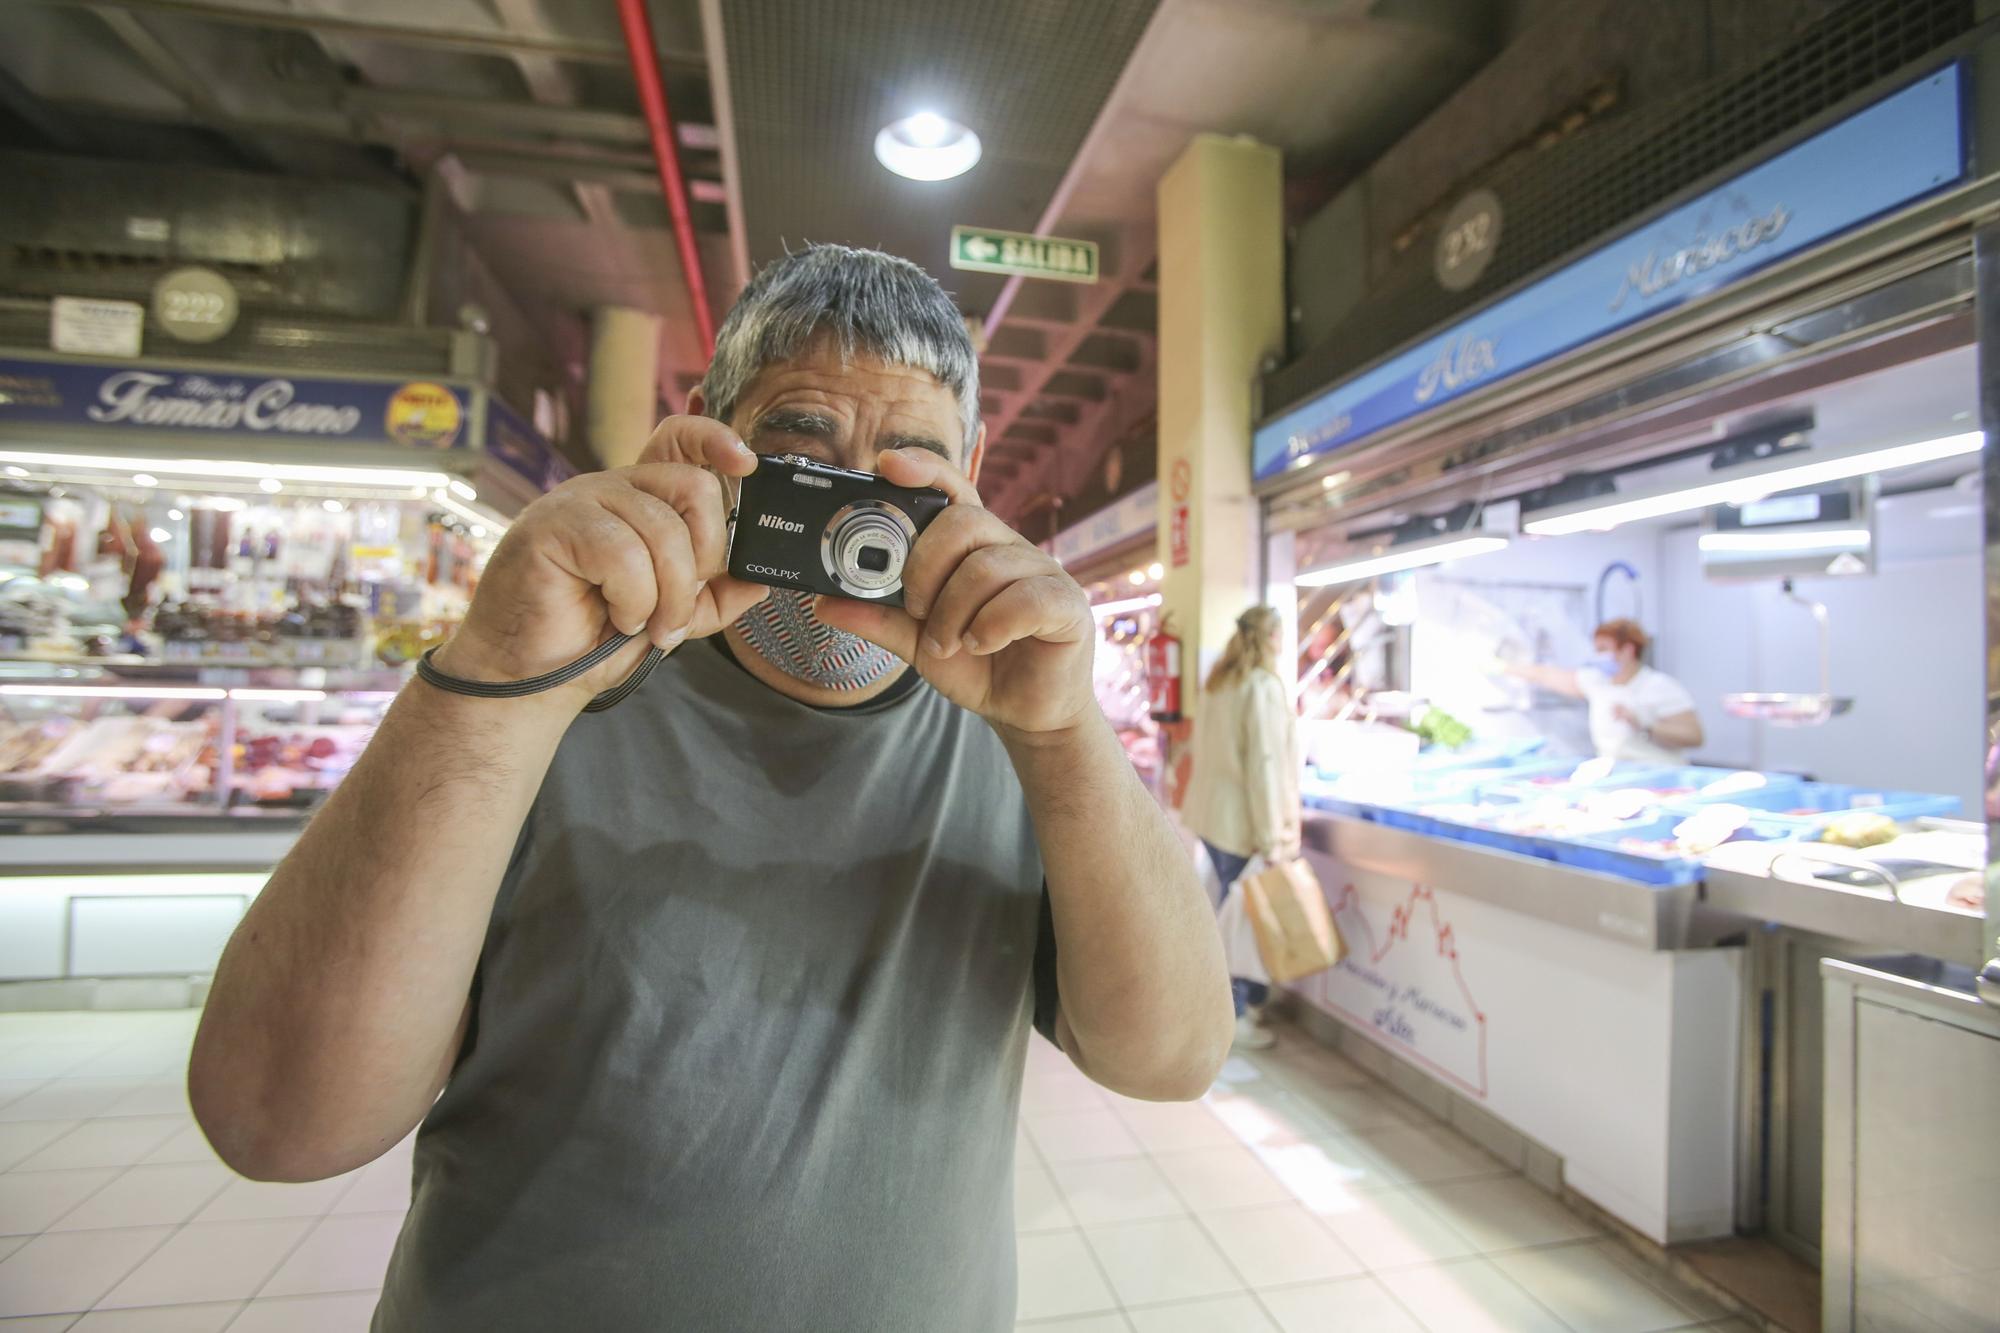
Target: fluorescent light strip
205 692
1840 539
1752 483
485 519
1126 604
1396 560
232 467
253 695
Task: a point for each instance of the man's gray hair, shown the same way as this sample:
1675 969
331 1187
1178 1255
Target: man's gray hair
869 303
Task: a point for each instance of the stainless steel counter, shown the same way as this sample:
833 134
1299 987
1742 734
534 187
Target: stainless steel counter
1866 916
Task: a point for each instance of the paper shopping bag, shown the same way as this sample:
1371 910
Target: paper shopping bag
1240 946
1295 931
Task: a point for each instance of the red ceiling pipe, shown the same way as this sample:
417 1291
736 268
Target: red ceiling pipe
638 25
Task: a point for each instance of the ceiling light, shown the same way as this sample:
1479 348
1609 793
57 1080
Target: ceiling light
270 485
1155 570
1136 577
478 529
14 471
228 467
481 516
462 491
1129 604
144 479
1838 539
279 696
162 535
226 504
1753 481
1414 555
927 147
176 515
332 506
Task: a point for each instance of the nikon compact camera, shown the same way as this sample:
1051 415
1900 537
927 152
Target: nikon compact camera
825 529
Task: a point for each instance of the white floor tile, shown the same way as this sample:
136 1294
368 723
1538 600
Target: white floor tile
1468 1296
1038 1204
9 1244
1123 1189
1421 1154
19 1139
159 1096
206 1318
146 1058
1058 1277
249 1200
1224 1314
121 1142
146 1196
1352 1305
1325 1173
1392 1229
188 1144
46 1059
383 1186
30 1200
1213 1178
1082 1136
13 1089
1168 1260
40 1323
1504 1213
347 1312
341 1254
1054 1093
70 1271
1090 1323
216 1261
1351 1109
1271 1115
1172 1126
1280 1245
1591 1290
68 1099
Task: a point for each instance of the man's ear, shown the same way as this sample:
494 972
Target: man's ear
976 455
696 404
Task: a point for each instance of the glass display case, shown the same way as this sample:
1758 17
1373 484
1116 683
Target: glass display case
96 748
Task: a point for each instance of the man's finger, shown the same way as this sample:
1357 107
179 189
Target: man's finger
921 467
699 442
888 627
979 578
1045 608
944 545
666 535
698 497
723 602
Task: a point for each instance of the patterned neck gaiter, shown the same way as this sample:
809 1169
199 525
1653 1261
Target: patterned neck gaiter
784 632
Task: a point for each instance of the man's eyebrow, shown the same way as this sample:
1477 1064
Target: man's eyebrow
918 442
792 421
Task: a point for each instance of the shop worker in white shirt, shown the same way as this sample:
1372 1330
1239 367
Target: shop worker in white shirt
1637 715
711 1008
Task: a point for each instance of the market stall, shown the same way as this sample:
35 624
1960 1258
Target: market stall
1751 424
212 584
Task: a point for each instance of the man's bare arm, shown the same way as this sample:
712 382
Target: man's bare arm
339 1005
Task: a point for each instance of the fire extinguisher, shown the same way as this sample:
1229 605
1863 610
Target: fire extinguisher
1163 676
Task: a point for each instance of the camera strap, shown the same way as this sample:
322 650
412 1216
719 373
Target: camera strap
549 680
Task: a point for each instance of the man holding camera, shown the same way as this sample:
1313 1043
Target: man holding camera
713 1006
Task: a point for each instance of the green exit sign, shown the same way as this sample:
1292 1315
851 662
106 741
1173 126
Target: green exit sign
1012 253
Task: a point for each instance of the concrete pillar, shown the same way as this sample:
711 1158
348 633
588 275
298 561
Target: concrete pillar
623 391
1222 313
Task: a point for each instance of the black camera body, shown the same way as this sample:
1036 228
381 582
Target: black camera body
824 529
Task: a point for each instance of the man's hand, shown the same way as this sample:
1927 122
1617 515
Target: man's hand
992 622
639 550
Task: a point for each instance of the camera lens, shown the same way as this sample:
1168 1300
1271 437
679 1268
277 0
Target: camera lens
864 547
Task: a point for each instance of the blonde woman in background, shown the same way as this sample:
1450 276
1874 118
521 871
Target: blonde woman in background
1243 793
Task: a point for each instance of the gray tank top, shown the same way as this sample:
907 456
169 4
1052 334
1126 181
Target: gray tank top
748 1029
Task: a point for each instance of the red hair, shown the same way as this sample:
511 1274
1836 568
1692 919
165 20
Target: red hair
1625 634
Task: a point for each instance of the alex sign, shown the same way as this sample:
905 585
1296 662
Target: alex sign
170 401
1904 147
1014 253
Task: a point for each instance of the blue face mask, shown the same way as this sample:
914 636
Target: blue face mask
1606 663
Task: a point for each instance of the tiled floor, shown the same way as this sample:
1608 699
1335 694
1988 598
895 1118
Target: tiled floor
1299 1195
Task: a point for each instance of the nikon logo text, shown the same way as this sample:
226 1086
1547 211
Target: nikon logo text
782 524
